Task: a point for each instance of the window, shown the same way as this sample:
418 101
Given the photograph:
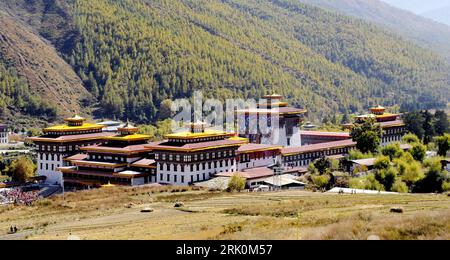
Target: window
175 178
182 179
168 177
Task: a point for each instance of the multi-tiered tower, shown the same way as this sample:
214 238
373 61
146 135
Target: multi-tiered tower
281 123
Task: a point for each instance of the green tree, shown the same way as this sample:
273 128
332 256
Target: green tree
410 138
418 151
434 176
414 122
400 187
357 155
165 110
367 135
22 169
428 127
411 173
382 163
368 182
320 181
443 144
442 125
322 165
386 177
393 151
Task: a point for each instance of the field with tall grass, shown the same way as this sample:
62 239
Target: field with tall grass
115 213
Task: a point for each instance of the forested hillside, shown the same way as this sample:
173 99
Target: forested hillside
36 83
424 32
133 54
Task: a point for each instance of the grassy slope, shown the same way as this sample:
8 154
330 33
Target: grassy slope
102 214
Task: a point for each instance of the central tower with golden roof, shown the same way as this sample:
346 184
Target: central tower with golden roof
281 122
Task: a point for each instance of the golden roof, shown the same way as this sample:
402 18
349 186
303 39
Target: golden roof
128 128
129 138
70 128
75 118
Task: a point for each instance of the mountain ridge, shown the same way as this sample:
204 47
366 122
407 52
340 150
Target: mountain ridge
421 30
441 15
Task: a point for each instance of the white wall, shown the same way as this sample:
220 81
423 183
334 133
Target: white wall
254 163
53 176
208 172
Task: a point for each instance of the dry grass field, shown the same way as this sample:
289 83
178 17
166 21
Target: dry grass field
115 213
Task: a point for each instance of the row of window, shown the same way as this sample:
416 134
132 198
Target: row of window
59 148
99 178
49 166
107 158
174 178
390 139
258 156
49 157
196 140
196 167
316 154
397 130
94 131
194 157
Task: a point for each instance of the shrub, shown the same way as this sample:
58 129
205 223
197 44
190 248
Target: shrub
443 144
418 152
321 181
366 183
323 165
386 177
237 183
434 176
412 173
400 187
357 155
392 151
446 186
382 163
411 138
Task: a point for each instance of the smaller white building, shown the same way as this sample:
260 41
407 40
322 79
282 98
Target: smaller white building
4 134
